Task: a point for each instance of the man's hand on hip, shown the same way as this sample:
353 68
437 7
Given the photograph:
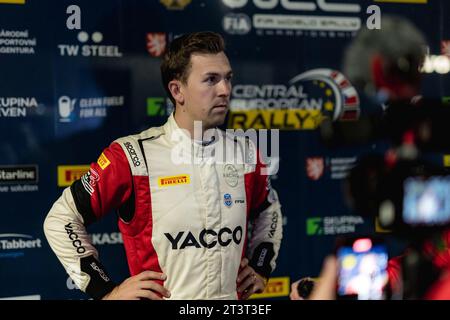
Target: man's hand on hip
140 286
248 281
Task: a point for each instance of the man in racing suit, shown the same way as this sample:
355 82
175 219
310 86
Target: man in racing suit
183 214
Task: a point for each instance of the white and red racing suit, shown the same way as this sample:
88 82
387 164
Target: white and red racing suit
180 211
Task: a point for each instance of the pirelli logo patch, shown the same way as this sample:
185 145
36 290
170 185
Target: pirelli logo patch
173 180
103 161
276 287
68 174
13 1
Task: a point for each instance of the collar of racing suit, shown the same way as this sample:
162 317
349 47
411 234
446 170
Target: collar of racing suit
184 145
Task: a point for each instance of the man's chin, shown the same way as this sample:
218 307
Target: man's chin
217 119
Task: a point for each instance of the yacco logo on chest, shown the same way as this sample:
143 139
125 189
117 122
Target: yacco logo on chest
224 237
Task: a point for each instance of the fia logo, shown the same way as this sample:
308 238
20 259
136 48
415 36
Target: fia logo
236 23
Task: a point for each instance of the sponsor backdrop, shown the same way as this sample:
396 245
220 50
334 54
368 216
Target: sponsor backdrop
75 75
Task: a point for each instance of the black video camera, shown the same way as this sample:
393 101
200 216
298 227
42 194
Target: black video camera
407 194
410 197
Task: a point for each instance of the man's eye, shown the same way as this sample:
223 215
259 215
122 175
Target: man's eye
210 79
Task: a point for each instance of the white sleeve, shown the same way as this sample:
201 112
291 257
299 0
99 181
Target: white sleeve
66 233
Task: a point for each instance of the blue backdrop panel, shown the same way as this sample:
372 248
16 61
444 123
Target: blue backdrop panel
75 75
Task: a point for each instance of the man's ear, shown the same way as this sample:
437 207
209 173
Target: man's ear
175 90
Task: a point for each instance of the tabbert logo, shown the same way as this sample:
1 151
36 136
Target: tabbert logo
91 43
12 245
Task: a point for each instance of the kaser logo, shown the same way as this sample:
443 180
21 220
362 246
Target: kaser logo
106 238
236 23
156 43
223 237
175 4
174 180
132 153
12 245
68 174
315 168
76 242
17 107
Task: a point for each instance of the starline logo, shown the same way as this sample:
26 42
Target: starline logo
18 174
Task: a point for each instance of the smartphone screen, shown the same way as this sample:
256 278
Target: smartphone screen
426 201
362 270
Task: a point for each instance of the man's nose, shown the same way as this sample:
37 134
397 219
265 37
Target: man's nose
224 88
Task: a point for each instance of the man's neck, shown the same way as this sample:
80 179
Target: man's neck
195 128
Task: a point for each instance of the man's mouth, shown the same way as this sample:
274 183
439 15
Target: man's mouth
221 106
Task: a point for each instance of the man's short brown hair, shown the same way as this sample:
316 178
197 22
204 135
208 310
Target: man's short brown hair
176 62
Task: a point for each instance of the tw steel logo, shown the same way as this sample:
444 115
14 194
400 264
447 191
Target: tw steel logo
223 238
74 238
132 153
